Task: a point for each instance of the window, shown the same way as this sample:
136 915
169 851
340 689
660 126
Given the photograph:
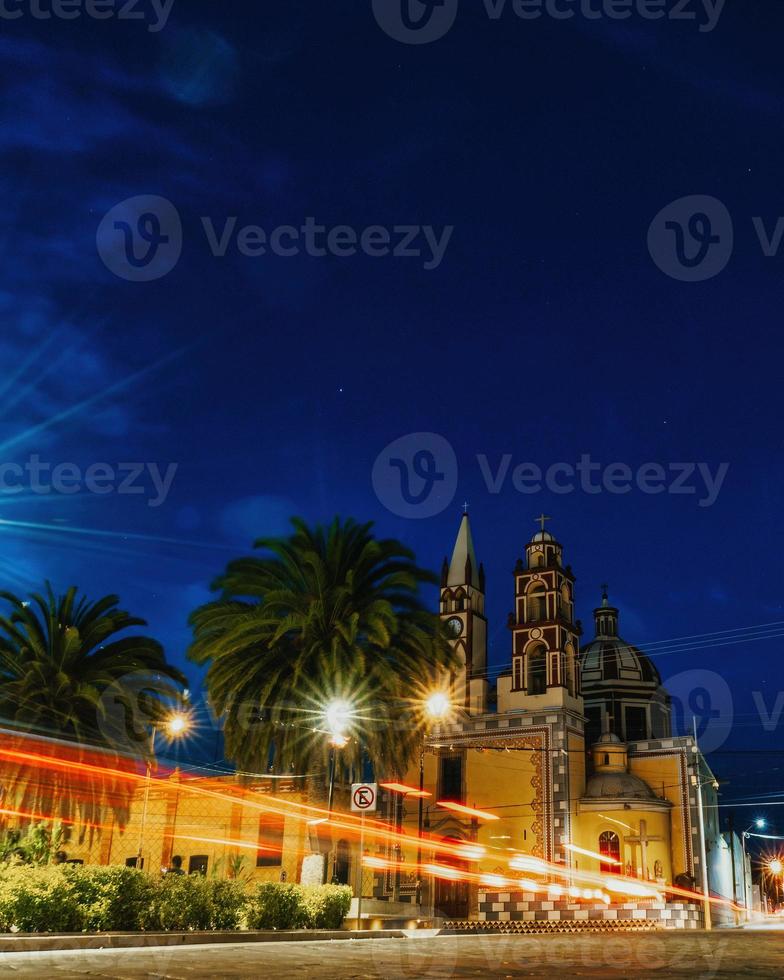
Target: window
271 828
537 671
517 674
197 864
636 724
134 863
610 847
537 603
451 782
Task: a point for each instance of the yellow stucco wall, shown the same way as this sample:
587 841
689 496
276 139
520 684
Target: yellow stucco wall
625 823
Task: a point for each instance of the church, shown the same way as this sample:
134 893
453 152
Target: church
568 753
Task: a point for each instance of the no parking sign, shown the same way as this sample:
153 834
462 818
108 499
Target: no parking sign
364 797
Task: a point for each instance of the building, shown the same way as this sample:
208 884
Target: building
570 747
566 755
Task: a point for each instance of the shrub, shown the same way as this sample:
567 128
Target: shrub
277 906
180 903
228 902
70 898
326 906
37 900
194 902
110 899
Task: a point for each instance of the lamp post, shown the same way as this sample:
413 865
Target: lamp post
759 824
435 708
701 819
337 718
175 726
775 869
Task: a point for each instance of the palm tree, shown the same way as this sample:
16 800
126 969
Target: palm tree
66 675
327 613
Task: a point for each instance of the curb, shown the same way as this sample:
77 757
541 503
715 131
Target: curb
40 943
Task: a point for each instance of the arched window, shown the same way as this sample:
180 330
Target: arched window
565 601
537 559
610 847
537 670
537 603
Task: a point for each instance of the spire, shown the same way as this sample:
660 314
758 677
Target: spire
606 617
464 568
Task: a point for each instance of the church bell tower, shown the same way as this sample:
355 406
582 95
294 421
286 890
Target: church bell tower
462 608
545 636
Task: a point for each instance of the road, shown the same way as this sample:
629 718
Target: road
730 954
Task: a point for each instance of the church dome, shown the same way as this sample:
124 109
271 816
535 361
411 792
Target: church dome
612 659
542 536
617 786
608 657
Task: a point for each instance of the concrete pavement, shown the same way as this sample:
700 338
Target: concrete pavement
727 954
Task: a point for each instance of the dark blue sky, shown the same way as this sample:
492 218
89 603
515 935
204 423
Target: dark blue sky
546 332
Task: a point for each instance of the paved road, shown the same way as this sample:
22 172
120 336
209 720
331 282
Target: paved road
735 954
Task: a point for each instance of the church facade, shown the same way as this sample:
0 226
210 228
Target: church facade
568 751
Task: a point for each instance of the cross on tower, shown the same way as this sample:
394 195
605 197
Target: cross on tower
465 507
542 519
643 839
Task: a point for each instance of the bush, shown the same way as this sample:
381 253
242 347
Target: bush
71 898
326 906
228 902
193 902
37 900
110 899
278 906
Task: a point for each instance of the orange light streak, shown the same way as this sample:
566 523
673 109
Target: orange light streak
405 790
604 858
467 810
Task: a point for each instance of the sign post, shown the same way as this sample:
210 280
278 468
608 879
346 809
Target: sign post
364 799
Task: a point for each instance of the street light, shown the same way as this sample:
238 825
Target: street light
435 708
775 866
338 715
759 823
176 725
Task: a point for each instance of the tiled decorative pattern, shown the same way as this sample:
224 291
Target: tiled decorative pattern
502 908
553 925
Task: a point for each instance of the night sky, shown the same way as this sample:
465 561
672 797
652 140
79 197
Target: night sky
547 331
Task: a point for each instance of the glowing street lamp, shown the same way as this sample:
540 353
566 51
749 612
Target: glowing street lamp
775 866
338 717
759 823
175 725
436 706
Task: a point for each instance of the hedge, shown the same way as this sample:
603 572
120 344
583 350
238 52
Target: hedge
74 898
275 906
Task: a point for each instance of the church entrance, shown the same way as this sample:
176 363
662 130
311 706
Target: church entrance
451 896
610 847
